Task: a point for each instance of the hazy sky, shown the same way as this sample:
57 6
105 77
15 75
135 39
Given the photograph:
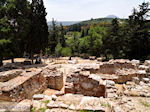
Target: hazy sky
76 10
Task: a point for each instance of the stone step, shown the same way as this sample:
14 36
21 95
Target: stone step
23 87
7 75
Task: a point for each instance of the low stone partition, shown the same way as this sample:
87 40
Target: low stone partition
112 66
23 86
119 71
125 75
85 84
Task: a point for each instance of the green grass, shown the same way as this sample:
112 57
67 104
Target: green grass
46 101
33 109
105 105
42 110
145 103
90 111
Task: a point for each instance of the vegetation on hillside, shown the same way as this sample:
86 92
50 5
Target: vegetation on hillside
111 38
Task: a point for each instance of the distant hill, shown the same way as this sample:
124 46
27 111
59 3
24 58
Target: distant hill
98 20
71 24
65 23
112 16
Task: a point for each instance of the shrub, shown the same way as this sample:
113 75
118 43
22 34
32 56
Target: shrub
66 51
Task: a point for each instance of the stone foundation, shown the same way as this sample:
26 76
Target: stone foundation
88 85
113 65
55 78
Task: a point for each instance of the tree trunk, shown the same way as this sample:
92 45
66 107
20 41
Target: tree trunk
106 58
70 57
1 61
31 56
12 60
41 54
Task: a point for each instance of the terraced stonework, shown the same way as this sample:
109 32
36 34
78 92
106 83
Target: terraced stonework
23 86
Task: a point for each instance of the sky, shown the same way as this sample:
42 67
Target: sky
78 10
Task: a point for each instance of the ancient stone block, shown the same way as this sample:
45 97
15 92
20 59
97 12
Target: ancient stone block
54 79
88 85
23 87
113 65
23 106
147 63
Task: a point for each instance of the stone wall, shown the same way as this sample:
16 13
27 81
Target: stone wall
113 65
55 78
88 85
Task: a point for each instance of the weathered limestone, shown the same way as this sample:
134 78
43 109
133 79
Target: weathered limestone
125 75
38 96
147 63
87 81
136 80
119 71
88 85
23 87
143 67
140 90
88 66
79 103
23 106
72 62
54 78
136 62
113 65
146 80
100 59
50 92
7 75
92 57
111 89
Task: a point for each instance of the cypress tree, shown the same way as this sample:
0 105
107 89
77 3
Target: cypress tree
38 36
53 36
62 36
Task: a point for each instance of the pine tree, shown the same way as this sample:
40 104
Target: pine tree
17 14
113 41
138 34
4 31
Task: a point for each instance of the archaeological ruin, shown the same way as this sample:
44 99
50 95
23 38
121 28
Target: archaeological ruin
81 85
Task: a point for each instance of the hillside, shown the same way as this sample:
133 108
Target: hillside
107 19
64 23
112 16
98 20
